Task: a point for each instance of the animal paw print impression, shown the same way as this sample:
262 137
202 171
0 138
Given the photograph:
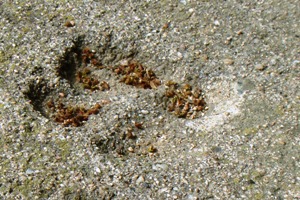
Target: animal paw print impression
78 67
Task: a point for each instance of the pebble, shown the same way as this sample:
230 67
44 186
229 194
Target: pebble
70 23
260 67
29 171
130 149
144 112
97 169
228 61
140 180
160 167
217 23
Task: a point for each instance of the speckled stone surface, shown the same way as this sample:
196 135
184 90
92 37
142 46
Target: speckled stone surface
244 55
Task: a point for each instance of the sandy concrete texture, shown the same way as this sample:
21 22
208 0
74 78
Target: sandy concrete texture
180 99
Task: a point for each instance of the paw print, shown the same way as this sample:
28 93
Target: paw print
77 67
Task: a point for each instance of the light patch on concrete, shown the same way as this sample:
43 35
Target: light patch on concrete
224 104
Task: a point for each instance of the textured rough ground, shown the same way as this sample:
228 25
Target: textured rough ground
244 55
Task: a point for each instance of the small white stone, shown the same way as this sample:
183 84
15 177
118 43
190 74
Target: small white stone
130 149
124 62
144 112
217 23
140 180
260 67
160 167
97 169
228 61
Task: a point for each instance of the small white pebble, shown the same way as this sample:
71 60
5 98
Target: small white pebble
228 61
130 149
260 67
144 112
217 23
140 180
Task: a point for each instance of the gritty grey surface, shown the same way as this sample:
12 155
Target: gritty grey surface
245 55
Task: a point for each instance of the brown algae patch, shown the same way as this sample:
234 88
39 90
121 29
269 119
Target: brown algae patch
71 115
136 75
184 101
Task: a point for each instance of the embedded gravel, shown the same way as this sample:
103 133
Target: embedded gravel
244 55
